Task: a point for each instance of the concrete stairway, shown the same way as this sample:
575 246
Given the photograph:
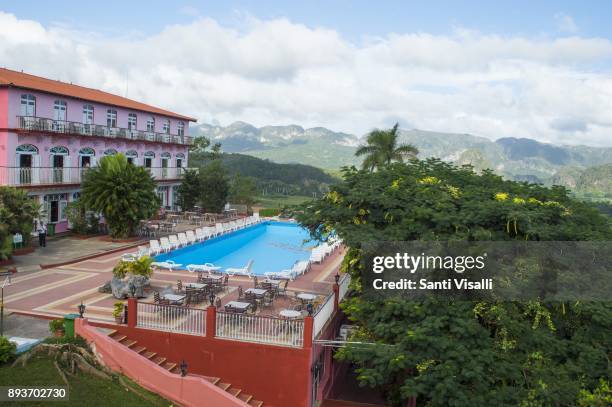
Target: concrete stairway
174 367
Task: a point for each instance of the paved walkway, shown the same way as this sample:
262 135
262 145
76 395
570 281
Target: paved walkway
57 291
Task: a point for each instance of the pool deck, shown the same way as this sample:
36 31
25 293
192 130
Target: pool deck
56 291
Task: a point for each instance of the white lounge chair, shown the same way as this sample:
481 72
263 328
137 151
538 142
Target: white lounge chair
317 255
191 238
154 248
280 275
202 268
165 244
182 238
168 264
199 235
219 229
244 271
174 242
129 257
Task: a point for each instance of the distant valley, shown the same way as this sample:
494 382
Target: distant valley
585 170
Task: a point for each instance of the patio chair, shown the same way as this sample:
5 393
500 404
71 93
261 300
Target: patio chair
225 282
282 288
219 229
142 251
244 271
154 248
179 287
158 300
182 238
317 255
240 292
165 244
174 242
191 237
218 303
199 234
255 282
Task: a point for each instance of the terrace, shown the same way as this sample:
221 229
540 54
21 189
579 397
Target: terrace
41 124
43 176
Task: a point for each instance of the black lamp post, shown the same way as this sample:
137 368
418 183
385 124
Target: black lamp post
183 367
81 309
211 298
309 308
132 289
337 277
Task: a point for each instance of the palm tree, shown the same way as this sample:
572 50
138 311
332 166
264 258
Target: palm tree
122 192
381 149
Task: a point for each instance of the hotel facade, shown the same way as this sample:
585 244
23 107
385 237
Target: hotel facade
52 132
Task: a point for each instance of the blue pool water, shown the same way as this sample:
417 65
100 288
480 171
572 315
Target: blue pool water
273 246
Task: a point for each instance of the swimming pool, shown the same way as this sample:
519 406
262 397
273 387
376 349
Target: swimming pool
273 246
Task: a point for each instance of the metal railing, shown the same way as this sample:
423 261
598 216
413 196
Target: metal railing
323 314
343 286
41 124
171 318
24 176
252 328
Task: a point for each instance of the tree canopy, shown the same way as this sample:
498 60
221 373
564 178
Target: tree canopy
17 214
122 192
382 149
457 353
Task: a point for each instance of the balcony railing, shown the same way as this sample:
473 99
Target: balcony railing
172 318
40 124
32 176
262 329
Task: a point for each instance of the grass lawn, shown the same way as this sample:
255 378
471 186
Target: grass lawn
84 390
280 201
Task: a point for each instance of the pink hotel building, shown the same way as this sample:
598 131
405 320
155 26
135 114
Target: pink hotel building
52 131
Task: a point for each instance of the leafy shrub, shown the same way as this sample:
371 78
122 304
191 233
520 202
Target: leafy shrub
7 349
56 325
139 267
118 309
269 212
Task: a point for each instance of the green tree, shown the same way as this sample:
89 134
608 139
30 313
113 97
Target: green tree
123 193
456 353
382 149
17 214
243 190
215 187
190 189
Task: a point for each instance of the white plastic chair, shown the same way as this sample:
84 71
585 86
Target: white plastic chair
244 271
165 244
154 248
174 242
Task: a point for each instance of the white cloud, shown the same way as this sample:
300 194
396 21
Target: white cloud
565 23
280 72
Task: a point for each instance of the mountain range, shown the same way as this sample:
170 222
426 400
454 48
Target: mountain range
581 168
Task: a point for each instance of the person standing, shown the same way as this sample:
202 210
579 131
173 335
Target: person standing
42 234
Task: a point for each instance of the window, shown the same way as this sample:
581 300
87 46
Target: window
88 111
180 129
151 124
110 151
131 156
28 105
59 150
148 159
59 110
132 121
166 126
179 160
111 118
27 149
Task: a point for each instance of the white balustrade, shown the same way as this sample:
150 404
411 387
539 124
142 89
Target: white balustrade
171 318
324 313
343 286
252 328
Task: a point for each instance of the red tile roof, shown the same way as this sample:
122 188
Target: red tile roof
23 80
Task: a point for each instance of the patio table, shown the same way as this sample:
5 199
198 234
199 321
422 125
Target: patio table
259 292
174 298
199 286
275 283
289 313
238 305
306 297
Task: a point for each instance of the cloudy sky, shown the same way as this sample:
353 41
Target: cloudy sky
514 70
